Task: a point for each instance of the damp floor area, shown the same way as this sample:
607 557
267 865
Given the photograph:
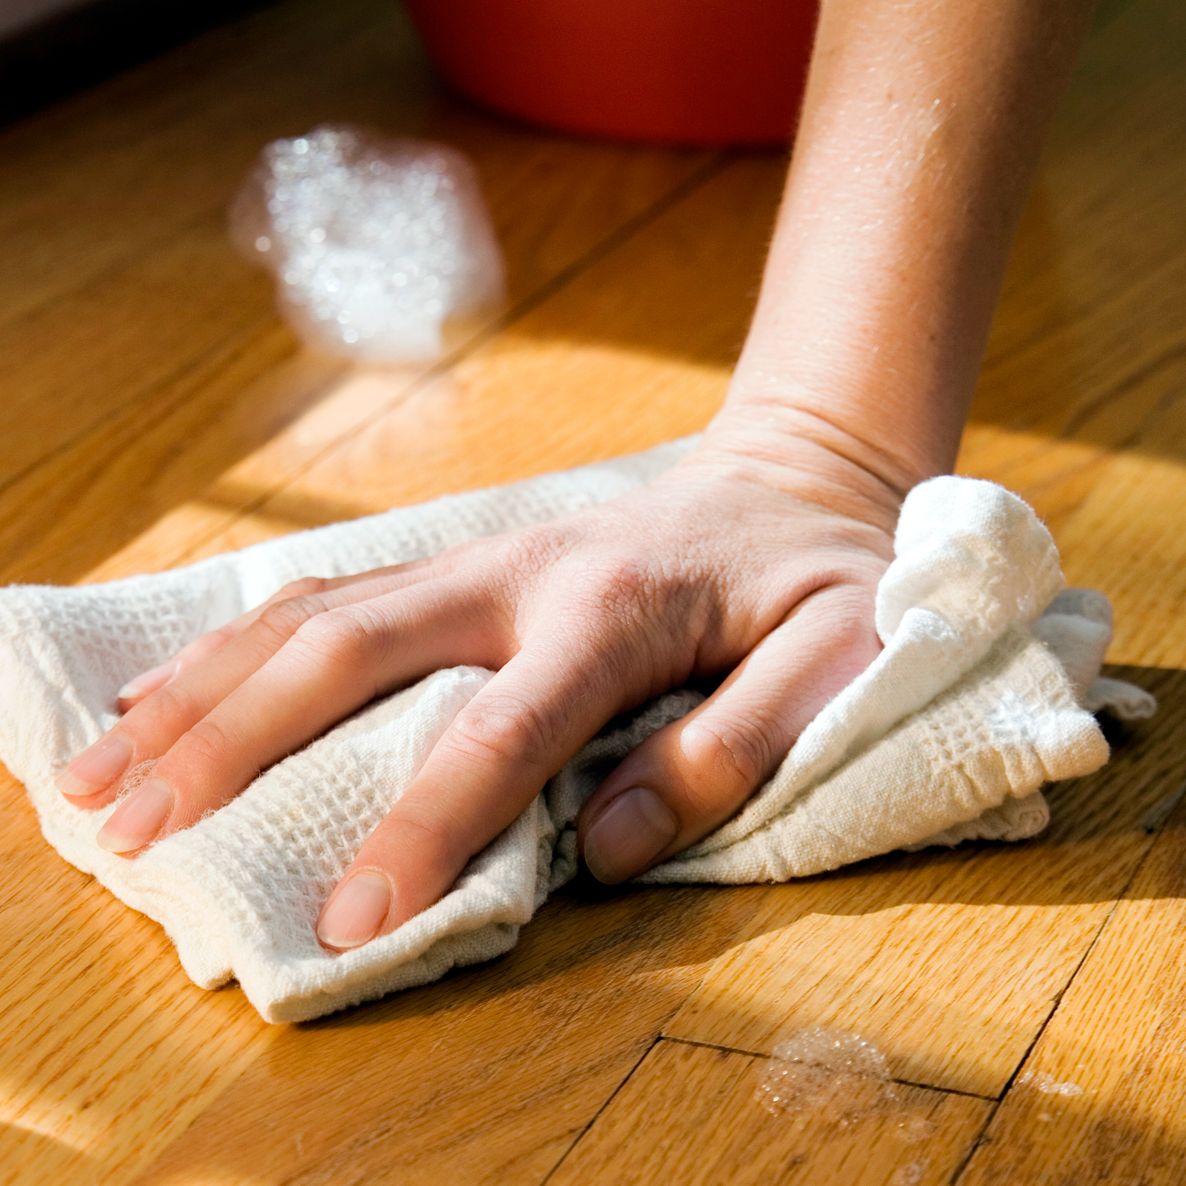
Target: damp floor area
994 1013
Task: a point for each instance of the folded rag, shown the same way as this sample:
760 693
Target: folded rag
978 698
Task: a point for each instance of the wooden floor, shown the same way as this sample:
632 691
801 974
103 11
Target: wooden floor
156 411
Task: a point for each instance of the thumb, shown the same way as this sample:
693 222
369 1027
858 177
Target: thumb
689 777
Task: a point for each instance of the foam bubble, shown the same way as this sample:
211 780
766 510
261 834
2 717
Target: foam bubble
827 1076
376 243
832 1074
1047 1084
912 1129
909 1174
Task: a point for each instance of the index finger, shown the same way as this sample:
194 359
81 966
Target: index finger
485 770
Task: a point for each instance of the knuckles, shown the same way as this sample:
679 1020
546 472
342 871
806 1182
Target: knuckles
205 745
302 587
629 589
852 623
284 618
506 729
159 714
347 634
736 755
437 846
623 583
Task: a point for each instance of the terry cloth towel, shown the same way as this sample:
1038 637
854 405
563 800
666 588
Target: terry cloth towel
978 698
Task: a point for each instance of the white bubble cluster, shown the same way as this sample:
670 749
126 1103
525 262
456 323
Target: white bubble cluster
375 243
1047 1084
832 1074
911 1174
834 1077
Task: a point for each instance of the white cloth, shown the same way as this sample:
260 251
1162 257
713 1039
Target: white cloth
975 701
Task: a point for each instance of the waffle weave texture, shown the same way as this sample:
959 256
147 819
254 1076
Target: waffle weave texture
984 691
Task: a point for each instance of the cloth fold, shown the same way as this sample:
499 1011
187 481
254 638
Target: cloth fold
984 691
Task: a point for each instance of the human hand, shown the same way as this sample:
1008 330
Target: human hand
729 562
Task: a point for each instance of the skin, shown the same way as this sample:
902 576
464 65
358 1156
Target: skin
754 560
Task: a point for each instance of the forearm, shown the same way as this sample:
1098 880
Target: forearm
920 129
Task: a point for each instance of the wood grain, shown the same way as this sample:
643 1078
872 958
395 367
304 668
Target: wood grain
160 412
697 1114
487 1076
1102 1097
919 953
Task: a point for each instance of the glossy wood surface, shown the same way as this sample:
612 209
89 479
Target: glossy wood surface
1027 997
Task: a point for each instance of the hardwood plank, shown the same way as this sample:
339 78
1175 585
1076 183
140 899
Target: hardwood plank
949 961
694 1114
107 1050
1102 1097
485 1077
113 346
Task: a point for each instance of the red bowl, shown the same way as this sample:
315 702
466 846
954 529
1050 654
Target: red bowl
706 72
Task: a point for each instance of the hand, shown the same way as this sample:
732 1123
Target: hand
729 562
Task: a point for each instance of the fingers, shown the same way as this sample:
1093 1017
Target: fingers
543 705
210 642
155 721
391 577
689 777
156 677
331 664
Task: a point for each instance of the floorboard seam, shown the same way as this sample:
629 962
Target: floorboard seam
958 1172
605 1103
975 1095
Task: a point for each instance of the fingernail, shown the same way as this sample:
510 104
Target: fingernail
357 911
628 834
96 767
138 818
146 680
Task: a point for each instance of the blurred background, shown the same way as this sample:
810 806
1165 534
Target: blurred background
716 72
53 48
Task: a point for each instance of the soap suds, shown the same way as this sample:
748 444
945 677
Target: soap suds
910 1174
377 244
833 1075
1041 1081
828 1076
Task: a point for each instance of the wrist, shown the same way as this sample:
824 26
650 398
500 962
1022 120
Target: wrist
789 448
904 399
896 443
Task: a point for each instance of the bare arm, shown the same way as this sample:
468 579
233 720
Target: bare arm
920 129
